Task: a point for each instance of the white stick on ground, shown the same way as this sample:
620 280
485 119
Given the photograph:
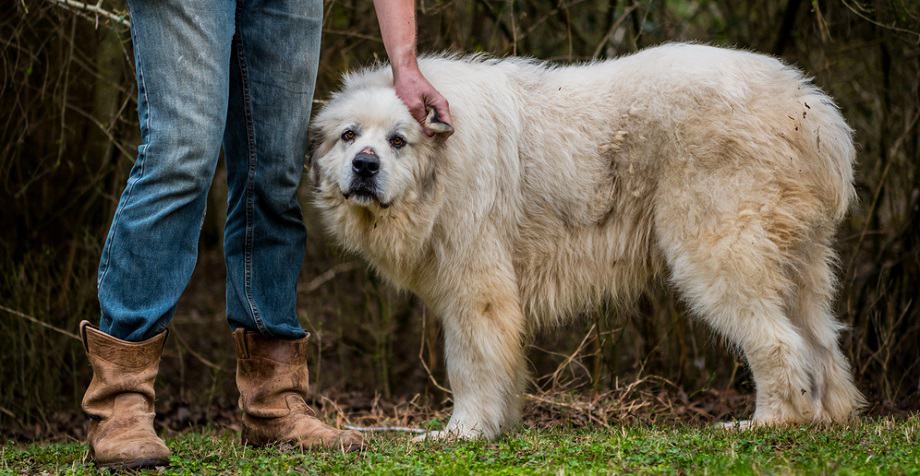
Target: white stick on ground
374 429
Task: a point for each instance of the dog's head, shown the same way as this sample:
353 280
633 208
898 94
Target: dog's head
370 152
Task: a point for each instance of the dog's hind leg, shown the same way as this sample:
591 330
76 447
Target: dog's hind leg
484 334
810 309
732 273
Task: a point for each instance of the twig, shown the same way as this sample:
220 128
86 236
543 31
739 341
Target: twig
94 9
327 276
568 360
41 323
497 19
421 355
613 28
335 406
375 429
196 355
788 24
586 410
879 24
121 148
877 194
514 38
351 34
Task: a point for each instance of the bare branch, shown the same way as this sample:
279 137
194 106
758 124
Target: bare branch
95 10
374 429
613 28
329 275
39 322
890 27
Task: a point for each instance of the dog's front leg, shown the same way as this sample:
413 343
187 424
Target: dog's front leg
484 333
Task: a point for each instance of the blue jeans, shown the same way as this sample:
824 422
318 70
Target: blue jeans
211 72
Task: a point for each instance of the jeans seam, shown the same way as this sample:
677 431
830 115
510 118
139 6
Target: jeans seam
250 184
141 156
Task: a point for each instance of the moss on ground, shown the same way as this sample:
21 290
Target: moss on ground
872 446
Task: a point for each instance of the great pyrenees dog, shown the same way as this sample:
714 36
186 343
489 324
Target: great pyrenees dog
723 172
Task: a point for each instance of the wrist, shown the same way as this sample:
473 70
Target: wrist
404 64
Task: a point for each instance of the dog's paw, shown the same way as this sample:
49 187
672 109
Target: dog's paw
438 435
446 435
736 425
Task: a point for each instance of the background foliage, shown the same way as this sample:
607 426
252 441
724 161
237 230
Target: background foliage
68 134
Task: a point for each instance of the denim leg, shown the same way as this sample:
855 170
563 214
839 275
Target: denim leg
182 55
274 62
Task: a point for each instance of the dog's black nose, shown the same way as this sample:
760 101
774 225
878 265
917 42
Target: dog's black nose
365 165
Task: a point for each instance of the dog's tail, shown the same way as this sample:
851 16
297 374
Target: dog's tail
830 139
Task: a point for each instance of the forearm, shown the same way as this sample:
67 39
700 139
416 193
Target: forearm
397 27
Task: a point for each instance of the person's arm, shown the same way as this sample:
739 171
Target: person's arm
397 27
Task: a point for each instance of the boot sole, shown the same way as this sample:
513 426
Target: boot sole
134 464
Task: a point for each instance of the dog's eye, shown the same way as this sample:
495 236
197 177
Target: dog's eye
397 142
348 135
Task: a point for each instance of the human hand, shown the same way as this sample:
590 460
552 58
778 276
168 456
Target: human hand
419 96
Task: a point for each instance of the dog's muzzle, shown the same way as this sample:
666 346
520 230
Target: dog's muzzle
363 187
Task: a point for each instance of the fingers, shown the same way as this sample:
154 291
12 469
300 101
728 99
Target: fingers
442 108
416 107
441 122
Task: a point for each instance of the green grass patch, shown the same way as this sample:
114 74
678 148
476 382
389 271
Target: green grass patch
873 446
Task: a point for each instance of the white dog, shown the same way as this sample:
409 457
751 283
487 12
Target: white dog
724 171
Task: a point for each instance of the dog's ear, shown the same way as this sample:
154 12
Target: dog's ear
317 146
312 145
434 124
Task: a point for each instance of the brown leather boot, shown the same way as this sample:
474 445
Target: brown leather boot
272 378
119 400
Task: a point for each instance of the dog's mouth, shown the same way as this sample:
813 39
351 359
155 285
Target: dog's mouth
364 194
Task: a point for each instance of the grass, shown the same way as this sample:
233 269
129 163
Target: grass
873 446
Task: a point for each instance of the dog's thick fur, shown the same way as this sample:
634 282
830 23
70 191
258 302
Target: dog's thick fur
723 171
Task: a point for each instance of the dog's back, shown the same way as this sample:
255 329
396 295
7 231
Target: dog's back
577 163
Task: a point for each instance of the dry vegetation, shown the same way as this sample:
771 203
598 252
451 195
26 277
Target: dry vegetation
67 141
